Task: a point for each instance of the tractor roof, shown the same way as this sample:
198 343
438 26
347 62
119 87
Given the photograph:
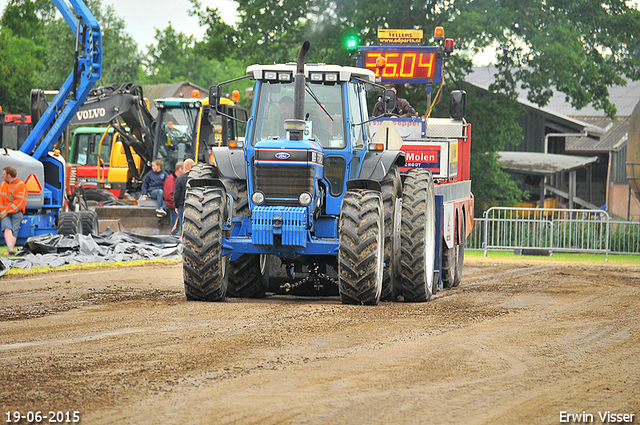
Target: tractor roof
179 101
344 73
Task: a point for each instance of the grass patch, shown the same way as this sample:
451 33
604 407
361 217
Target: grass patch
557 257
75 267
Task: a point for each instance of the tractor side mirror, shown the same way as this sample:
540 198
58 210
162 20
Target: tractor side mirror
458 104
215 92
389 100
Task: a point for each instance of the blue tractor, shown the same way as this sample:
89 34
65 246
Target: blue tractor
308 198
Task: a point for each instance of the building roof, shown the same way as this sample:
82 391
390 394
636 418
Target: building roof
159 91
483 77
609 135
542 163
624 97
613 139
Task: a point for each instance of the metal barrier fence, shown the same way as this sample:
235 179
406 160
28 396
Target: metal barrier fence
624 237
554 230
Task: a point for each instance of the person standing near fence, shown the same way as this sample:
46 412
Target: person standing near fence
13 202
181 189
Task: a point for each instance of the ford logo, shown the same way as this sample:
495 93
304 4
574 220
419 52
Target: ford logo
282 155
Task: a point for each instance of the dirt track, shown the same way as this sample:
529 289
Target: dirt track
514 344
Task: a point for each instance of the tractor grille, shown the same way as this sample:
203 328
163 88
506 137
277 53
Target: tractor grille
283 184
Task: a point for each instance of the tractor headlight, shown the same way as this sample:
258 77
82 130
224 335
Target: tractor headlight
257 198
304 199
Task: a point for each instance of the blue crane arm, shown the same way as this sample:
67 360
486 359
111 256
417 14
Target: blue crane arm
86 72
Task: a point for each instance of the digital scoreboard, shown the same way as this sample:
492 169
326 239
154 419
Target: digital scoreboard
404 64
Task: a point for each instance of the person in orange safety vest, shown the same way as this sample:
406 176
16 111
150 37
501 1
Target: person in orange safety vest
13 201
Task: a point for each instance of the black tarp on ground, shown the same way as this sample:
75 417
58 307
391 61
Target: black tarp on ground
57 250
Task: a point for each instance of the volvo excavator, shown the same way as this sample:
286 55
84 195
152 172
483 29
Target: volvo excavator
110 162
120 164
117 156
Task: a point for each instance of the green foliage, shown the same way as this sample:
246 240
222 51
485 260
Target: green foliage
580 47
18 59
121 59
494 123
220 39
38 50
624 237
177 57
172 59
271 30
21 17
21 52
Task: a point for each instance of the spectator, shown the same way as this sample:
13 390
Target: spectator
13 202
169 186
152 186
181 189
402 109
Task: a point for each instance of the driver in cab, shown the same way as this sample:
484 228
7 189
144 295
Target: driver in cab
402 108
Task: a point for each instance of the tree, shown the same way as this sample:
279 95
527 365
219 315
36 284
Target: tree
176 57
21 51
172 59
494 124
220 39
578 47
272 30
24 19
121 61
18 59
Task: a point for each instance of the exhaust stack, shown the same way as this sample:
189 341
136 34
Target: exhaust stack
296 125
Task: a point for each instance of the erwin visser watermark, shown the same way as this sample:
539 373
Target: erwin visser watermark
605 417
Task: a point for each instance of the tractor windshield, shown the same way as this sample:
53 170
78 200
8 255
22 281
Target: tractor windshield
276 104
177 134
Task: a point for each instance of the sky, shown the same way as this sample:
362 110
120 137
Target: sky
143 17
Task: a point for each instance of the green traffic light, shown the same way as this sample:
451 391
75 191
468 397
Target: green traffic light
352 44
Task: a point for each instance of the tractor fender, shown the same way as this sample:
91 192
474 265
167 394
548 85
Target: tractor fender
203 175
376 164
230 163
364 184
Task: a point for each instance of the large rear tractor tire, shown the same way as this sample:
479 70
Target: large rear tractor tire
361 248
199 174
204 267
241 201
89 222
392 207
69 223
453 260
418 236
249 274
